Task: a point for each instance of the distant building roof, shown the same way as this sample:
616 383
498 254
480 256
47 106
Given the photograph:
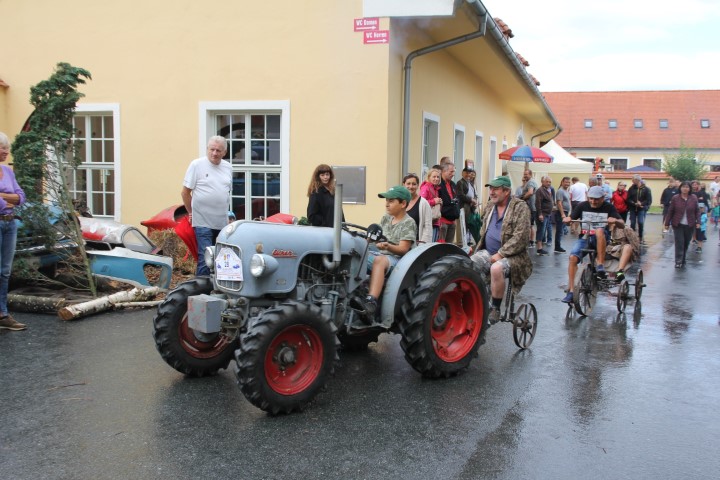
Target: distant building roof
643 119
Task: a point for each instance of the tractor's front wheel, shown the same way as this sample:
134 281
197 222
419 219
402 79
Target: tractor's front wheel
188 351
443 317
286 357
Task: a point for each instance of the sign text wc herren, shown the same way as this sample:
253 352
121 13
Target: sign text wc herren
371 30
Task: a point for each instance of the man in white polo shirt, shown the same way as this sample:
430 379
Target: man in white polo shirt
206 196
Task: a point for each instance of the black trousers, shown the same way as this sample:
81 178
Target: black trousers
558 229
683 235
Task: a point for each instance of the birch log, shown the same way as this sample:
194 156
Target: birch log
79 310
34 304
151 303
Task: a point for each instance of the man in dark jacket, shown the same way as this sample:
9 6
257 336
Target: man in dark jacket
450 204
544 208
639 201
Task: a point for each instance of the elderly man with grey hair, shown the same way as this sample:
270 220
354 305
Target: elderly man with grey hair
638 201
206 196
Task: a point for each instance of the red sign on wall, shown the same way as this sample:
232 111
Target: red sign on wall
364 24
377 36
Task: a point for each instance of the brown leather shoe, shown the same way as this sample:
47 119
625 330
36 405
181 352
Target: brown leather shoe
9 323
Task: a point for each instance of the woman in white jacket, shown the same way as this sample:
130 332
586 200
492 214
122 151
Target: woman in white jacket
418 209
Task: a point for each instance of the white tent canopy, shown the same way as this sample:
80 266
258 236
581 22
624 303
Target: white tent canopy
563 164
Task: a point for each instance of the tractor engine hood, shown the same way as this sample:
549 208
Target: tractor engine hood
283 247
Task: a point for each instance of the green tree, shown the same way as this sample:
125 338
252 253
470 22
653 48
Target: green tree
42 154
685 165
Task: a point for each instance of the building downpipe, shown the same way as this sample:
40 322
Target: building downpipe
482 14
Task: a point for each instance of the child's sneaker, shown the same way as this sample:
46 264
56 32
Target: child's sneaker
619 276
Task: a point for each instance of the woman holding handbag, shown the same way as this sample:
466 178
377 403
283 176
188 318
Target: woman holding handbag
429 191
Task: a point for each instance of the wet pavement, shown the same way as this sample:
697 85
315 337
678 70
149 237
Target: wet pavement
607 396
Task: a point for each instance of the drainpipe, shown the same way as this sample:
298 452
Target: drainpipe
556 128
510 53
408 65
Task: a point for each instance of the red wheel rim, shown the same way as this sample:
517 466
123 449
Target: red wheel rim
294 359
201 345
457 320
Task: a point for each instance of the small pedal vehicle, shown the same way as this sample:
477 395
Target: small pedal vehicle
588 283
523 319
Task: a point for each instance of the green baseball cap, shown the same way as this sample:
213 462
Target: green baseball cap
502 181
398 191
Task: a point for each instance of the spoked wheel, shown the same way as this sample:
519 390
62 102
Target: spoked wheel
525 325
189 351
639 285
286 357
622 295
443 317
586 290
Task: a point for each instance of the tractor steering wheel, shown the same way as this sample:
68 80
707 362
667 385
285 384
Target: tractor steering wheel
372 233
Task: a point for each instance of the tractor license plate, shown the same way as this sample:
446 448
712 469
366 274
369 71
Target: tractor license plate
228 266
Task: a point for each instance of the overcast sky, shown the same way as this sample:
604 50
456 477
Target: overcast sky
616 44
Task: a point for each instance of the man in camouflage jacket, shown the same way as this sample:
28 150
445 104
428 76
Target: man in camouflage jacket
504 237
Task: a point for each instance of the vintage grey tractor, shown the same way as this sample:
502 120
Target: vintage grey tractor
278 303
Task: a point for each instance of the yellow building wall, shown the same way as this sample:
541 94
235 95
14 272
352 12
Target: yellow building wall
159 59
444 87
636 157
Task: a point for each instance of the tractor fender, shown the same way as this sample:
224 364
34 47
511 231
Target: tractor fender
406 273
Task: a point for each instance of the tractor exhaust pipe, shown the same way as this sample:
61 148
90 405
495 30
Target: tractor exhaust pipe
337 230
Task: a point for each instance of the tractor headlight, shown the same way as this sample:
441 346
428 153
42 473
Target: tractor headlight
261 264
209 258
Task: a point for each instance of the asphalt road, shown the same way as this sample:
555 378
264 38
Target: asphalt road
606 396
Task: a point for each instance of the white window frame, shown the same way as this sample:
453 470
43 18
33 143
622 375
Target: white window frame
206 111
492 162
461 156
479 142
627 163
114 110
426 163
653 159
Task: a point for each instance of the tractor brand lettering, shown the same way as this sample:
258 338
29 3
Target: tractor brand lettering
278 253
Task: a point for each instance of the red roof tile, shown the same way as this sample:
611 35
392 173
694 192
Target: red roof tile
683 110
506 31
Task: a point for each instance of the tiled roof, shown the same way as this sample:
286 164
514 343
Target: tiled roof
682 109
506 31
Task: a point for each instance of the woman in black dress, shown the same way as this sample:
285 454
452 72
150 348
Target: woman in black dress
322 197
